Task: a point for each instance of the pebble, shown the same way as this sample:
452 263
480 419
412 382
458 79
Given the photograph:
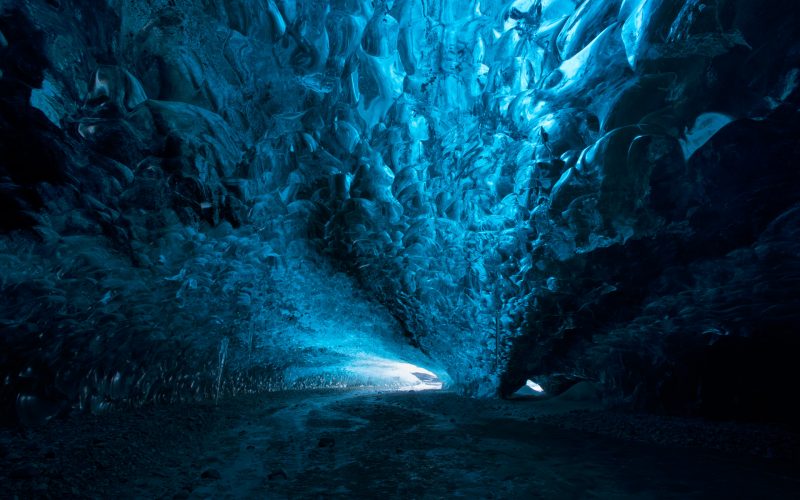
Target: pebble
327 442
211 474
278 474
24 472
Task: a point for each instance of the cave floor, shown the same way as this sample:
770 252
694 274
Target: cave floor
368 444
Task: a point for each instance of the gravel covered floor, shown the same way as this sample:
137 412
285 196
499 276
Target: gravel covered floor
359 444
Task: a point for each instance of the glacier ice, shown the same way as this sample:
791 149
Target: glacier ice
520 185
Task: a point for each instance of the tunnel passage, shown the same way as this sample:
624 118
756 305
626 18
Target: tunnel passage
209 198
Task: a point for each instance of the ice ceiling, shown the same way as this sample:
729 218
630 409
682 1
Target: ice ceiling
207 197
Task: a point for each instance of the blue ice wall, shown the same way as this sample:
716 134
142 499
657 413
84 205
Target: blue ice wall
558 190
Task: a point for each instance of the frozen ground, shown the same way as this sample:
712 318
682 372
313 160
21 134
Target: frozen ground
358 444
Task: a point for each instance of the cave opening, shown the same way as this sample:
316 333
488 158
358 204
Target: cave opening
395 375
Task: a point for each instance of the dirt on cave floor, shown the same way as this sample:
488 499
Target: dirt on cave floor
373 444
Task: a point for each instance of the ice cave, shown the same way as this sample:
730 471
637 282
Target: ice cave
399 249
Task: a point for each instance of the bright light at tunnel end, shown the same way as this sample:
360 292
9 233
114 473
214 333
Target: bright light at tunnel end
395 375
534 386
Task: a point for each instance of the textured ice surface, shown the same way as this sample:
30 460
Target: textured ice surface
552 190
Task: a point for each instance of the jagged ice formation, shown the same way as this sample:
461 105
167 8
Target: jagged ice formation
204 196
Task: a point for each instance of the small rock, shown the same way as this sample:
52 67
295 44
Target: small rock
251 447
327 442
211 474
278 474
24 472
